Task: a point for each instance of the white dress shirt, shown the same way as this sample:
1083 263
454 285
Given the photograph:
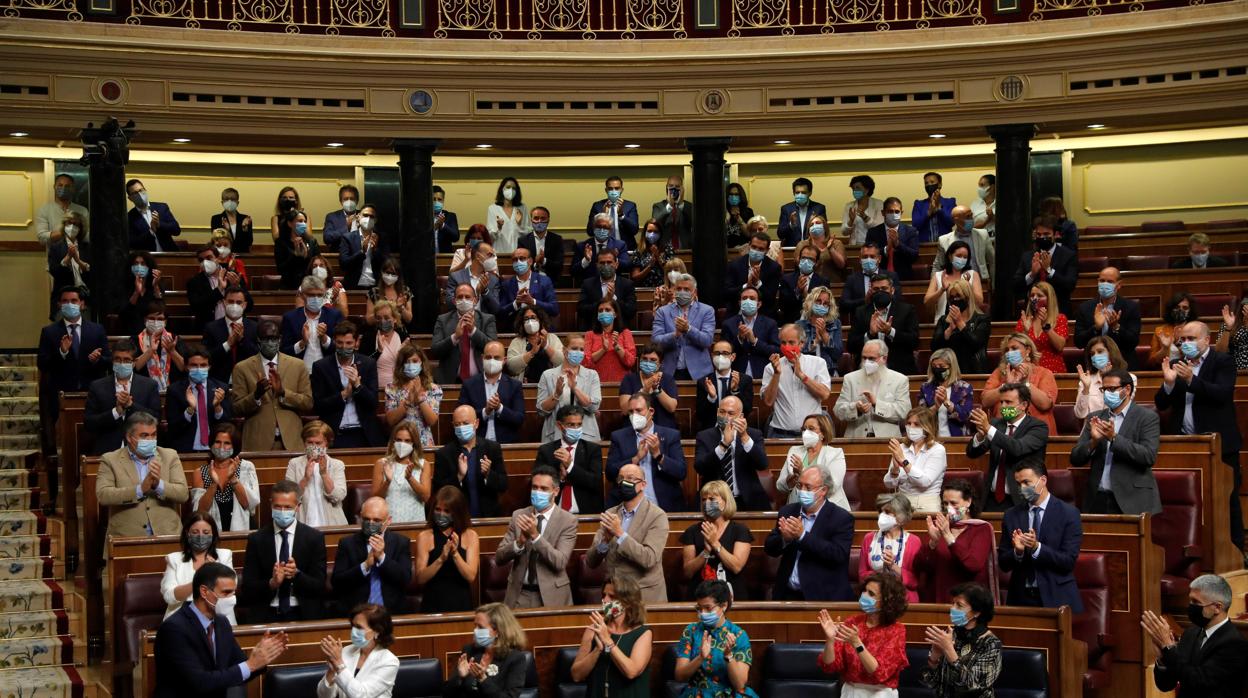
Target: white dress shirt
793 400
277 550
927 472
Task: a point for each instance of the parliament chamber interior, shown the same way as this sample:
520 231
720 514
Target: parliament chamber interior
842 348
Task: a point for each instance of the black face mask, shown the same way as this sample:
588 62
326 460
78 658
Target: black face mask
1044 244
960 303
881 299
1178 315
938 374
626 490
1196 614
930 188
287 204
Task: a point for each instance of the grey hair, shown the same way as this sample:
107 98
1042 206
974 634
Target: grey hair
139 418
311 283
1215 587
602 217
801 333
757 219
881 344
897 503
686 277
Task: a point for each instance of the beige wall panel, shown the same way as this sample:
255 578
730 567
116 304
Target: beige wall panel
678 102
385 101
747 101
23 279
17 191
452 102
73 88
146 92
978 90
1046 86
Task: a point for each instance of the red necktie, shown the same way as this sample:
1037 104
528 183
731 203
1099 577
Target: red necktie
998 492
465 356
676 227
890 254
212 638
565 497
201 410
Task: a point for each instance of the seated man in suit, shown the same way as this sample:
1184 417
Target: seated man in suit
186 664
1198 255
307 332
796 284
875 399
623 214
527 289
674 215
459 336
1110 315
631 536
193 405
1040 541
585 264
723 383
858 288
237 224
538 543
111 400
232 338
545 248
684 329
791 226
344 390
375 565
890 320
812 538
577 462
445 223
482 274
152 225
340 223
1208 660
1121 443
983 249
497 398
205 292
1051 262
655 450
734 453
755 270
143 486
607 283
269 390
1013 440
284 568
474 465
897 241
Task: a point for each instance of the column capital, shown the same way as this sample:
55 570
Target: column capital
708 143
1014 132
415 144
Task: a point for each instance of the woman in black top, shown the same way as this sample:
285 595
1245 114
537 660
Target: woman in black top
492 665
293 247
447 555
614 658
144 286
651 256
739 214
717 547
964 329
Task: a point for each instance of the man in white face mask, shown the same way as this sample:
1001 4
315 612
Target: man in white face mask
307 332
343 221
205 292
232 338
497 397
875 399
724 382
360 251
459 337
482 274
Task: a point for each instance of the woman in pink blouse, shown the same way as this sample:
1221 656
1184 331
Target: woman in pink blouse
891 549
609 347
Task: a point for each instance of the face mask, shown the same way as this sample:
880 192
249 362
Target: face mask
301 228
464 305
958 617
540 226
684 298
673 193
572 434
756 256
601 234
442 520
892 220
348 205
490 264
222 453
345 354
155 326
1030 495
931 188
638 421
652 236
199 542
611 609
959 303
492 367
915 434
1014 357
286 204
887 522
1190 349
938 374
359 638
140 199
867 604
370 528
63 193
1196 614
1100 361
70 230
817 230
145 448
1106 289
1009 412
482 636
402 449
967 226
749 306
198 374
1199 260
223 252
672 276
606 319
520 266
614 194
648 367
367 222
806 266
269 347
472 244
229 205
870 265
1044 244
234 311
532 326
509 193
606 272
123 371
465 432
627 490
540 500
209 265
858 194
709 618
820 310
386 326
437 206
411 370
881 299
1113 400
225 605
316 452
801 199
870 366
1178 316
575 357
791 352
734 200
138 270
70 311
314 303
959 263
320 272
721 363
955 514
811 438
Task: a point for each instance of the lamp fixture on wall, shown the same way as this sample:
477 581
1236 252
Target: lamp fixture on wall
333 145
181 140
1096 127
632 146
484 146
936 135
782 142
19 134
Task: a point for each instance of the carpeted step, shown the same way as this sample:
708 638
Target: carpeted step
19 458
15 479
19 406
44 682
25 595
19 424
19 442
32 624
21 653
26 389
18 500
22 523
18 374
24 546
15 359
26 568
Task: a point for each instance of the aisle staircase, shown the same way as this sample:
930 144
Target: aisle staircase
39 620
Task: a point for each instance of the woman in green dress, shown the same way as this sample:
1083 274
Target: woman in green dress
614 657
713 655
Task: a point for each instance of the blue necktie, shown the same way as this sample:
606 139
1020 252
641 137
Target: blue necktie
283 592
73 331
374 584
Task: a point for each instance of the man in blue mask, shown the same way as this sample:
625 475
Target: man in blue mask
143 486
545 247
152 226
1121 443
539 542
193 405
577 461
473 464
812 539
623 214
755 270
307 332
111 400
791 228
983 249
1110 315
445 223
284 571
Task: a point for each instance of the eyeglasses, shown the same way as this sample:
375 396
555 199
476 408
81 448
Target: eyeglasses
1112 388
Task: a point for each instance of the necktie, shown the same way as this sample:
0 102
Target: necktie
531 575
675 227
374 585
465 356
212 638
998 491
728 467
723 388
1037 516
283 592
565 496
73 332
201 412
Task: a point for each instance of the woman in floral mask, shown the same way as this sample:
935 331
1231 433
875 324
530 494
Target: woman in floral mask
960 546
614 657
322 480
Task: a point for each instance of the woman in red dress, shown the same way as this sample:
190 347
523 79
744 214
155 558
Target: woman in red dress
1045 326
960 546
868 651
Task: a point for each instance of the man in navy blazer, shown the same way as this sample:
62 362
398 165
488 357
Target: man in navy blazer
754 337
1040 541
661 458
152 225
186 664
344 220
1119 317
373 565
857 290
791 228
735 454
595 288
66 364
812 541
232 338
205 292
502 413
1051 262
685 330
344 390
623 214
445 223
314 314
113 398
898 241
796 284
584 264
185 433
549 258
538 291
755 270
724 382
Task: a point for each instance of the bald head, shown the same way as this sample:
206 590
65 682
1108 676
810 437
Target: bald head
375 509
960 214
632 472
464 414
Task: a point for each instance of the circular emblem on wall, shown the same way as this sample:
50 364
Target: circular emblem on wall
714 101
109 91
420 101
1011 88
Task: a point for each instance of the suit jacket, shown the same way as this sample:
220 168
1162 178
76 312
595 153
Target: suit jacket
292 330
335 229
243 238
769 283
1134 450
905 254
307 550
72 372
585 475
791 300
668 474
142 237
446 474
327 388
550 553
271 413
216 334
628 221
293 267
1127 336
203 299
892 402
680 219
1065 265
448 234
792 231
540 287
352 587
591 296
1210 263
708 409
854 295
756 355
901 344
1213 390
102 398
823 566
187 666
985 250
352 258
489 301
510 415
127 514
1216 670
180 431
695 344
746 466
640 554
580 271
552 263
447 352
1005 453
932 224
1060 537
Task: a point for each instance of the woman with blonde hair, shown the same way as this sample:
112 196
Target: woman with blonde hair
831 261
383 341
322 480
821 325
403 477
1020 364
963 328
716 547
493 663
222 243
413 395
949 397
1046 327
917 467
614 657
816 450
673 269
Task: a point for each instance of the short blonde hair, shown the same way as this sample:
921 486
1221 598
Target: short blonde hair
826 427
674 264
510 634
1198 239
964 288
955 372
721 489
386 304
812 296
222 234
1032 355
1050 296
318 428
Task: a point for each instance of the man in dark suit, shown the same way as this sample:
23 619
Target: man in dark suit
1208 661
607 282
674 215
196 653
732 452
341 222
545 248
857 291
463 329
497 398
753 337
623 213
585 263
653 448
1051 262
194 405
1121 443
796 284
812 538
527 288
241 229
113 398
1040 541
1199 390
474 465
361 252
578 462
899 242
755 270
232 338
724 382
205 292
890 320
72 353
310 327
445 223
1013 440
791 227
1110 316
375 565
1198 255
284 568
344 390
152 225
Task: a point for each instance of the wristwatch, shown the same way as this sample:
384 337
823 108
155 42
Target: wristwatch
860 649
1047 327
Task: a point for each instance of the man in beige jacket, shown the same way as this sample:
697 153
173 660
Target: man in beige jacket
632 536
539 539
270 389
143 486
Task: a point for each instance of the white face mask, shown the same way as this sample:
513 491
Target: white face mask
223 252
915 434
638 421
532 326
366 222
464 305
402 449
509 193
389 279
811 438
722 363
887 521
225 605
349 206
70 230
492 367
321 273
672 276
229 205
210 266
234 311
870 366
155 326
490 264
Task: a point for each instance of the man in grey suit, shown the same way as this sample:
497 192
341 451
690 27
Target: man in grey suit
632 536
539 539
1121 444
463 329
675 216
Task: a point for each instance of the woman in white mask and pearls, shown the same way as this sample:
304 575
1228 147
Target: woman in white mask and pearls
364 668
815 451
918 465
890 548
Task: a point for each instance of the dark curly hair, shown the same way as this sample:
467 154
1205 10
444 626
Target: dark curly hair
892 603
378 620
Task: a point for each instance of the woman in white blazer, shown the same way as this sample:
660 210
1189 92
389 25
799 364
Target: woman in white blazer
322 480
231 485
815 451
364 668
917 467
200 539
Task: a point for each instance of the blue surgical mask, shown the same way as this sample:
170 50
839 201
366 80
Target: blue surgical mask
958 617
1113 399
1100 361
575 357
1014 357
749 306
145 448
437 206
541 226
756 256
652 236
1106 289
867 604
606 319
820 310
465 432
1190 349
601 234
959 263
858 194
967 226
709 618
870 265
801 199
521 266
314 303
71 311
614 194
283 518
1200 260
807 498
482 637
138 270
540 500
411 370
359 638
734 200
573 434
198 374
123 371
892 219
806 266
648 367
301 228
817 230
684 298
